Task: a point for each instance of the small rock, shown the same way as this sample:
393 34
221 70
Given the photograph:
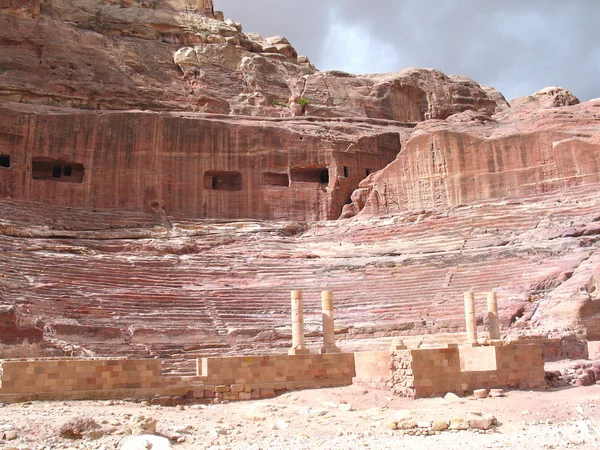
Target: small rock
142 425
391 425
495 393
145 442
451 396
216 432
458 423
423 424
254 416
407 425
440 425
479 424
346 406
282 425
329 405
10 435
78 427
480 393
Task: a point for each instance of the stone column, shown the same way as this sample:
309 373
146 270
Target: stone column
328 326
298 347
470 318
494 325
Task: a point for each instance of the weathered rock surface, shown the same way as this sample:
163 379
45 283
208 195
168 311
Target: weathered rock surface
168 55
14 330
165 177
473 157
190 165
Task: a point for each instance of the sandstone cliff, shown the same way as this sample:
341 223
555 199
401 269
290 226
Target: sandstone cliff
166 178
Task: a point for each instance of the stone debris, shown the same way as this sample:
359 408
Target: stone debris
451 396
480 393
142 425
146 442
495 393
78 427
579 374
10 435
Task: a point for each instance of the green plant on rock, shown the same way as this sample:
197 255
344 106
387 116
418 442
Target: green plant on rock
303 102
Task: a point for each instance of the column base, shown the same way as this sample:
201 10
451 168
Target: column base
471 344
298 351
331 349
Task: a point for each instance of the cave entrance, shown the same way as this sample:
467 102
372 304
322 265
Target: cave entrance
275 179
222 181
4 161
310 174
56 170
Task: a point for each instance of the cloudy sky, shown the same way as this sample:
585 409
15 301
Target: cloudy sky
517 46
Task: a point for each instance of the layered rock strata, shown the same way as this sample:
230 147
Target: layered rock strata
166 179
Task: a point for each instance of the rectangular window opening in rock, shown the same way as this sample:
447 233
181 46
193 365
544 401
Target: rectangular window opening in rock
310 174
56 170
275 179
346 172
222 181
4 160
369 172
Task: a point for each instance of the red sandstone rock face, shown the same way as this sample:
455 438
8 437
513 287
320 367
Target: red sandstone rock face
473 157
14 331
186 165
129 283
99 210
163 56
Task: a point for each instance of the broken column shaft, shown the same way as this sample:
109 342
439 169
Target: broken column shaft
328 324
494 325
298 346
470 318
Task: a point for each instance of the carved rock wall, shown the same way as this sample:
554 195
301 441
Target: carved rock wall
189 166
472 158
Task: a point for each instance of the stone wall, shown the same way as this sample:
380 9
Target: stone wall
434 372
402 380
594 350
556 347
372 369
230 378
56 375
277 368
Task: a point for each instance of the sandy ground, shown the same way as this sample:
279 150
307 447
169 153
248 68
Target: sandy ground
312 419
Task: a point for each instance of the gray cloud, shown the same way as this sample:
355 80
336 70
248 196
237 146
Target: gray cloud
516 46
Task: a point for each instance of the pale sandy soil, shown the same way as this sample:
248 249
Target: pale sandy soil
566 418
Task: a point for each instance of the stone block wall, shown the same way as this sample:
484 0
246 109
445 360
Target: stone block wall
434 372
372 369
556 347
594 350
54 375
277 368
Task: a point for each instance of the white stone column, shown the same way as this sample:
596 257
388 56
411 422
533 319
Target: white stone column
328 324
470 318
494 324
298 347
